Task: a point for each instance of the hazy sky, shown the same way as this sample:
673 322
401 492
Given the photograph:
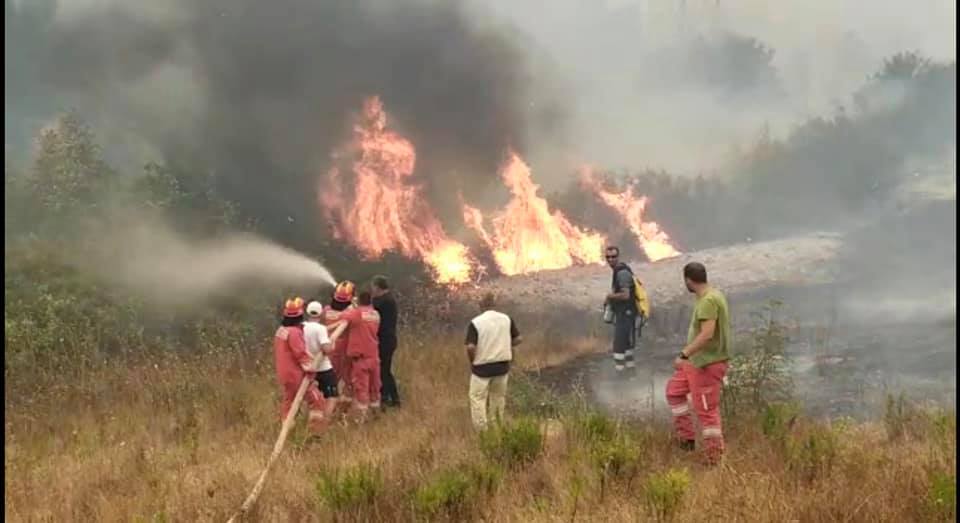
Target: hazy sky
824 49
599 78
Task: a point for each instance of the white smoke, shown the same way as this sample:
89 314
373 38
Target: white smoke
165 268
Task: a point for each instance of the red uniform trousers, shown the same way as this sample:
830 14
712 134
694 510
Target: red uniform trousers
341 367
703 386
365 380
313 398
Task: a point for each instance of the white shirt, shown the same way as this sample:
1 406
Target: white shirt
315 334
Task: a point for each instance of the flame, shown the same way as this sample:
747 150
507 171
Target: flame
372 201
387 210
526 236
654 242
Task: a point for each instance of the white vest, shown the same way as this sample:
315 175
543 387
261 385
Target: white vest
493 338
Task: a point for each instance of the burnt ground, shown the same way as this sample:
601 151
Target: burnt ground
879 318
863 358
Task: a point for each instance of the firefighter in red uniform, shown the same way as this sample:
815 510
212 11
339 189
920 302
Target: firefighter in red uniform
292 358
363 322
332 315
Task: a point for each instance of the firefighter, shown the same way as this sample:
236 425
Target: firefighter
701 366
627 320
340 301
363 322
294 363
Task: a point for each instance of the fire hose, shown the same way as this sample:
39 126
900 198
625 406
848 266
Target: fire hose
284 432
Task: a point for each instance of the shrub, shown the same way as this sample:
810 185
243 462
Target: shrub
453 492
513 444
942 496
664 491
616 459
902 418
760 375
446 494
777 419
594 427
812 455
350 489
526 397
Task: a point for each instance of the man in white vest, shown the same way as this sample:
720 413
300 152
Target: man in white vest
491 337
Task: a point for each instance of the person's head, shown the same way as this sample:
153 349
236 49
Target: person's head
364 298
343 293
292 312
379 286
612 255
314 311
695 276
488 301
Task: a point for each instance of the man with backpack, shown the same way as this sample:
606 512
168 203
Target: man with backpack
628 303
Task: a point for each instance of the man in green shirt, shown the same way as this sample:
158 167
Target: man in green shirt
701 366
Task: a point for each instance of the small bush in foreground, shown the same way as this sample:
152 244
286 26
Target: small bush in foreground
512 444
526 397
812 455
942 496
616 459
453 492
777 419
664 492
346 490
595 428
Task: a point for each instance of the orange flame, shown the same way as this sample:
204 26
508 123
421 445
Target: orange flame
387 211
654 242
526 236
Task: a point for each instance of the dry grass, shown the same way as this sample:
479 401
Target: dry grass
183 439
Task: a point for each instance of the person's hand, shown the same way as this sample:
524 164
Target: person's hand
678 362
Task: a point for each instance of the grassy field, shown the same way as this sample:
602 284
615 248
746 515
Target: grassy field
183 439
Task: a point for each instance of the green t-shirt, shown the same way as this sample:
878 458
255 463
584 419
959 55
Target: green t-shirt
711 306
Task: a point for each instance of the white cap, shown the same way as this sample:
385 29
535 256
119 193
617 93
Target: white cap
314 309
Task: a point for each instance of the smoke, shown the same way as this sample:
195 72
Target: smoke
150 259
638 71
261 92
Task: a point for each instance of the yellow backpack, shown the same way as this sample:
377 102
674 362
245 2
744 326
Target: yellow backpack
640 297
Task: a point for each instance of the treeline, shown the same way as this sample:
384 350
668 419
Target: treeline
57 314
825 170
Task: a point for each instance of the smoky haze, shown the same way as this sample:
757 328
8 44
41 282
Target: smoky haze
261 92
149 258
674 85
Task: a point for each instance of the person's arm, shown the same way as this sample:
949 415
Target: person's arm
471 342
323 339
624 281
515 338
707 328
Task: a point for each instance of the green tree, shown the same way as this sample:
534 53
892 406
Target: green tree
69 173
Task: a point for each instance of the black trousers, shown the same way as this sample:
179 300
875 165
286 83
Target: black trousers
388 390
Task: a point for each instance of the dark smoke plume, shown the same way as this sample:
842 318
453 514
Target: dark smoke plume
261 92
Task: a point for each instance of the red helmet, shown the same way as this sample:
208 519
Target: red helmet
344 292
293 307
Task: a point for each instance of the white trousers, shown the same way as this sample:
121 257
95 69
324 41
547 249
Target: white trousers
488 396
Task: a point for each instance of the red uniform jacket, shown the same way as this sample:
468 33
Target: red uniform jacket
290 354
363 323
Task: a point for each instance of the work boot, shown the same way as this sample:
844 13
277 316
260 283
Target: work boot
687 445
